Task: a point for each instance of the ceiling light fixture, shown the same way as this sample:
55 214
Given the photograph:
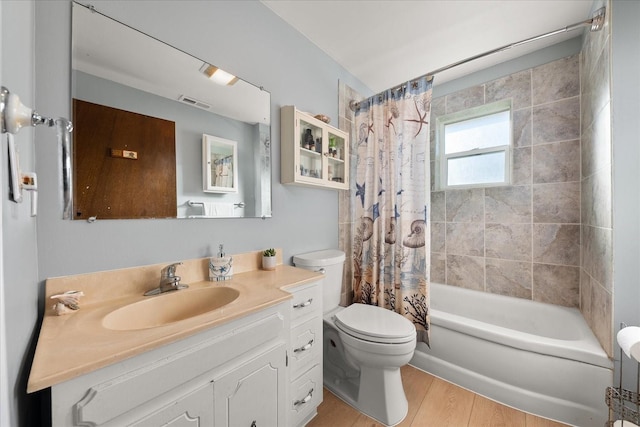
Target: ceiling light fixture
219 76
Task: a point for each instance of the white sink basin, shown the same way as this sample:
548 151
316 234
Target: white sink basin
168 308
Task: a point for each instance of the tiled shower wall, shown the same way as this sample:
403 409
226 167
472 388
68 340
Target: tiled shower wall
525 239
596 273
522 239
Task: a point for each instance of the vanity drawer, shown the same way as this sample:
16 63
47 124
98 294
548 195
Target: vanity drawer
306 346
306 302
306 395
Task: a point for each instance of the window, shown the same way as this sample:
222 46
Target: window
474 146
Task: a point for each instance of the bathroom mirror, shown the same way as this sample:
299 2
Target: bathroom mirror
118 67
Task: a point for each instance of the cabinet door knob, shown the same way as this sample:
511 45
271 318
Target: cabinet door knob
305 400
305 347
303 304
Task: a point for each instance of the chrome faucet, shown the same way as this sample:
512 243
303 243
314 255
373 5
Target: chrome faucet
168 281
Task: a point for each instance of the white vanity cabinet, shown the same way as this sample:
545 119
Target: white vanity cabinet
313 153
251 394
305 353
192 410
231 375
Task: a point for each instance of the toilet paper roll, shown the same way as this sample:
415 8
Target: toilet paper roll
629 341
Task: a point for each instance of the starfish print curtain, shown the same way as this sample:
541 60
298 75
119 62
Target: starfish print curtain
391 237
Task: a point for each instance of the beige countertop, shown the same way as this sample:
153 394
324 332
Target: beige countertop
75 344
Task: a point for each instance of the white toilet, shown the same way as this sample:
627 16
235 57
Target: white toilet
364 346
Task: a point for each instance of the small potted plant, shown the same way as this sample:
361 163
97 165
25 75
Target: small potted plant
269 259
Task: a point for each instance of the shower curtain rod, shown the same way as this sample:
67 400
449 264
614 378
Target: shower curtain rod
596 22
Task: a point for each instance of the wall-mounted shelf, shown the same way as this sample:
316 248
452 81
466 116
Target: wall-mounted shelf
313 152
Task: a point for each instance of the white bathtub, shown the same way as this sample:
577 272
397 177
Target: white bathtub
536 357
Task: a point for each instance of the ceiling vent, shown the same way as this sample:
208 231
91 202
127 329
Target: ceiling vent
194 102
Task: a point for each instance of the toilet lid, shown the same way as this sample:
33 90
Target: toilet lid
372 323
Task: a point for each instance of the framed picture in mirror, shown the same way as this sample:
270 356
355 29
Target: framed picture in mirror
219 164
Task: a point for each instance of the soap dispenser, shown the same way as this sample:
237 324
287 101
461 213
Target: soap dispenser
220 267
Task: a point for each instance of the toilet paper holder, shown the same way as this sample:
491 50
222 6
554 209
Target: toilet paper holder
624 404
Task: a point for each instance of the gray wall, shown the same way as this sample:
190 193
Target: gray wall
18 227
625 129
255 45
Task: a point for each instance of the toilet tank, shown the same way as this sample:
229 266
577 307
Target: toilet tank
331 261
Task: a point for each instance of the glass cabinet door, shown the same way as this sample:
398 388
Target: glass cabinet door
336 165
310 150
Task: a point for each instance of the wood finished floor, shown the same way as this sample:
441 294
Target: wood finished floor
432 403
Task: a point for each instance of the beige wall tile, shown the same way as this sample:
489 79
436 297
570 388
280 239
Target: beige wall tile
597 199
515 86
556 284
465 205
512 278
438 267
508 204
585 296
586 105
556 203
602 316
432 174
465 238
522 122
437 206
465 98
466 272
601 94
596 143
556 80
433 149
508 241
557 121
438 233
556 162
521 166
597 254
556 244
438 107
596 258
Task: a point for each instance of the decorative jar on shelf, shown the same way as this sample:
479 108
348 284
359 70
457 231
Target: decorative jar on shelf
308 139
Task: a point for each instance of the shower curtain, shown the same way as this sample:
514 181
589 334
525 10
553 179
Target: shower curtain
391 237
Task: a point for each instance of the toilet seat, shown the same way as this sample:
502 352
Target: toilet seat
375 324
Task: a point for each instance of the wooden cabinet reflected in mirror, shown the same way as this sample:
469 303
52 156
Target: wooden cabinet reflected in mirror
124 164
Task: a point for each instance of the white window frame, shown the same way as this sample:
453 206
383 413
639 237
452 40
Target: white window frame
468 114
